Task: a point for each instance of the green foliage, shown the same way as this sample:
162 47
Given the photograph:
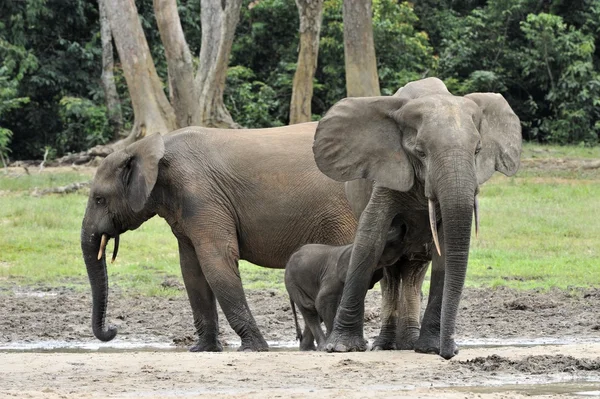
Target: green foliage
86 124
250 101
545 64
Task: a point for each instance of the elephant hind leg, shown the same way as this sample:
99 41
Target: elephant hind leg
390 286
313 326
409 314
220 265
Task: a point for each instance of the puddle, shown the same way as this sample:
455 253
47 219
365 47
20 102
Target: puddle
35 294
120 346
579 388
522 342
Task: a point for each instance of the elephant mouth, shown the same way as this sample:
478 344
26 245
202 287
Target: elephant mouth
433 221
104 242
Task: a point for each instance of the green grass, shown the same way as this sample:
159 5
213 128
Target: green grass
539 229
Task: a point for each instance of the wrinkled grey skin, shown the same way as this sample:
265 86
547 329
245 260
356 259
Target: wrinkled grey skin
314 279
227 195
422 144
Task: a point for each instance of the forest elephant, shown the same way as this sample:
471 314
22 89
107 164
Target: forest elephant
227 195
314 279
428 152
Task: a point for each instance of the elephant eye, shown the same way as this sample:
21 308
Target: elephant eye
419 152
478 148
100 200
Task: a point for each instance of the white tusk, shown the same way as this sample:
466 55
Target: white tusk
102 246
433 225
476 212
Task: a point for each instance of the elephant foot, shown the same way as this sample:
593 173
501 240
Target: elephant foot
254 346
384 346
407 338
207 347
339 342
307 346
431 345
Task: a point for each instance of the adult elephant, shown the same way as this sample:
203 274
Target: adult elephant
428 151
227 195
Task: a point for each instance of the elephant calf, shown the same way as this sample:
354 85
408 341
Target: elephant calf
315 277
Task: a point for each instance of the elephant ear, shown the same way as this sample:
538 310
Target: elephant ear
359 138
141 171
501 138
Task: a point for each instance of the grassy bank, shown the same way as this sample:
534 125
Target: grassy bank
539 229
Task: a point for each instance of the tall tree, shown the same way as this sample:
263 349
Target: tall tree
152 110
113 103
359 49
311 16
219 19
183 93
199 100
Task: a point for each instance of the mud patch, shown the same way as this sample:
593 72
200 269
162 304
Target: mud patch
487 315
539 364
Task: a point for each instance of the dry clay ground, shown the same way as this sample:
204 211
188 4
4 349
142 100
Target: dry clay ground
487 318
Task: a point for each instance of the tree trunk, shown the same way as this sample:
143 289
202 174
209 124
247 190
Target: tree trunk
152 110
219 19
113 103
183 93
359 50
311 12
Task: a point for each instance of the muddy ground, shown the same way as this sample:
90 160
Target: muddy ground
504 335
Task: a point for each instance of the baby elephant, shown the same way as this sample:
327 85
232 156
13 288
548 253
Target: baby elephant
315 277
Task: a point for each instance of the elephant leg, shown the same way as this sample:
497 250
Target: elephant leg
429 338
202 300
220 266
347 334
307 343
313 326
386 340
409 314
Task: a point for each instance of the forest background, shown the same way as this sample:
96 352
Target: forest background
542 55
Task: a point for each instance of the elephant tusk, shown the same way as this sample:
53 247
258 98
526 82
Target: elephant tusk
476 212
102 246
115 249
433 225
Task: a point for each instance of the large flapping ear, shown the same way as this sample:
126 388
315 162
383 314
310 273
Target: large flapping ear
141 171
421 88
501 138
359 138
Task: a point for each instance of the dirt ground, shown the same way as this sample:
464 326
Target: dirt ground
504 336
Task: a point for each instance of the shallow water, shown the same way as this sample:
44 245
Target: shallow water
151 345
580 388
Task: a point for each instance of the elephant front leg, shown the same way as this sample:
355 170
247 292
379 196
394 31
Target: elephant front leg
347 334
386 340
220 266
409 319
429 338
202 300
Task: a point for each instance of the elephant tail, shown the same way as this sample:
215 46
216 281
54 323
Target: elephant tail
298 330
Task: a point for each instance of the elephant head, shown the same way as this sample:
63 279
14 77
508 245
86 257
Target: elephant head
118 201
425 139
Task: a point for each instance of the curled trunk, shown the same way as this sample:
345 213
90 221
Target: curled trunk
96 269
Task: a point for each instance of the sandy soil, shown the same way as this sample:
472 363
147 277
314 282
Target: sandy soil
501 331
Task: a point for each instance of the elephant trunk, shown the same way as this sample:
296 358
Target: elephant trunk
456 198
96 269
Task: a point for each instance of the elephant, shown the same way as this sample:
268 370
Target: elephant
427 151
314 279
253 194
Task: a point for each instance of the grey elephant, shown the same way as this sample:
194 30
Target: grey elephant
428 152
314 279
227 195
